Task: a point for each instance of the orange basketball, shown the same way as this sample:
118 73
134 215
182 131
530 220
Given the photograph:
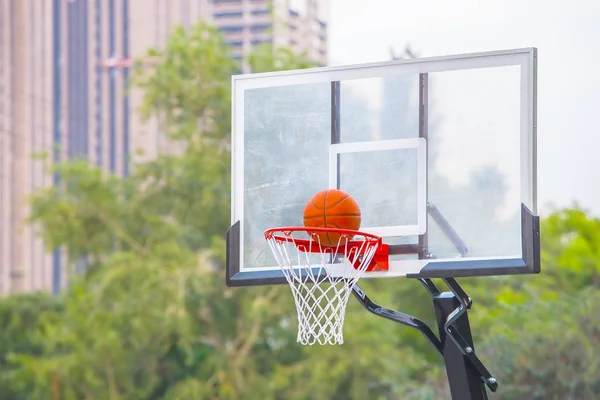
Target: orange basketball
332 209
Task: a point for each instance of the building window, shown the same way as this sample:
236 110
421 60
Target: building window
292 27
261 11
322 24
227 1
260 28
231 28
228 14
259 42
294 13
293 42
235 44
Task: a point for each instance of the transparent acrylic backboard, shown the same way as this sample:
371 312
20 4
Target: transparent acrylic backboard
439 153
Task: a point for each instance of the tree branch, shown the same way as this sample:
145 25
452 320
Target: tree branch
121 234
251 337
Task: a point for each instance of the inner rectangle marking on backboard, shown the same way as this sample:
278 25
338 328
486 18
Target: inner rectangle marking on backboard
419 144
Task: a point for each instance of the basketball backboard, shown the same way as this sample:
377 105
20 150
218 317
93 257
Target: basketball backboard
440 154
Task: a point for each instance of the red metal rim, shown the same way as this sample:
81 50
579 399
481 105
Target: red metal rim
378 261
286 231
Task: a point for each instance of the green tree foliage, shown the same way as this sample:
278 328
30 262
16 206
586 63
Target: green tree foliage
572 248
549 350
22 317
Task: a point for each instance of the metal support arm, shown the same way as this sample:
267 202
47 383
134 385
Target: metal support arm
466 373
398 317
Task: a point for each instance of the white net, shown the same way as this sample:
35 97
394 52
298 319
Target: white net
321 277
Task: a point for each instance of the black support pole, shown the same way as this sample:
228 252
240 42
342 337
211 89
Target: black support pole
464 380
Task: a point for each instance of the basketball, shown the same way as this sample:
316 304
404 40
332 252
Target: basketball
332 208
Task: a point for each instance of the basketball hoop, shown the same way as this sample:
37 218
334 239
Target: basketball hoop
322 277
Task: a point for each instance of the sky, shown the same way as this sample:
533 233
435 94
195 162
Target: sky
567 35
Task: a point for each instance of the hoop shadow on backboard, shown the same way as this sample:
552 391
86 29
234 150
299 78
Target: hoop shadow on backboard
288 126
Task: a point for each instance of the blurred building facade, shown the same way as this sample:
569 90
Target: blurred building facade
63 75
